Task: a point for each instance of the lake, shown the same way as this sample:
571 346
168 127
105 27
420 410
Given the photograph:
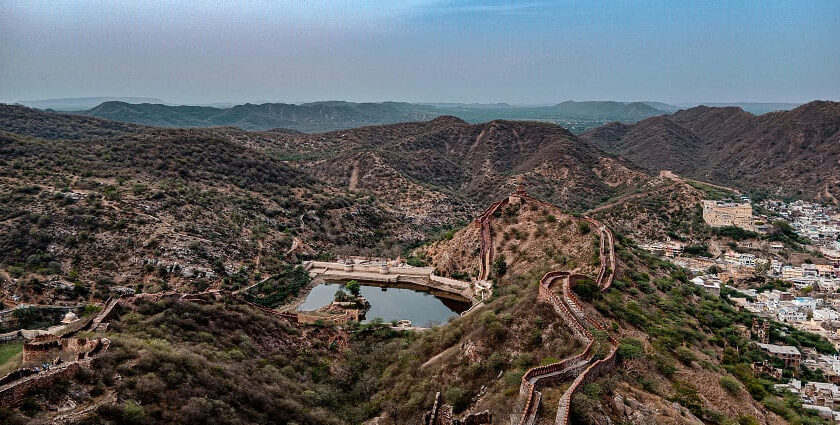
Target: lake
389 304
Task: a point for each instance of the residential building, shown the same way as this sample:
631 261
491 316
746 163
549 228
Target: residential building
787 353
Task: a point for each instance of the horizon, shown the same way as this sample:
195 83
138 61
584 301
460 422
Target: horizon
226 104
529 53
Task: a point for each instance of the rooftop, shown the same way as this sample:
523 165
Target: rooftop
779 349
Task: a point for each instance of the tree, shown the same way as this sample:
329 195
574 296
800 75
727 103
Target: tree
499 266
353 287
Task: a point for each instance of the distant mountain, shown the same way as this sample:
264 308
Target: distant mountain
336 115
82 103
607 110
307 117
663 107
756 108
498 105
787 153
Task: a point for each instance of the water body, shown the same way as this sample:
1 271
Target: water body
389 304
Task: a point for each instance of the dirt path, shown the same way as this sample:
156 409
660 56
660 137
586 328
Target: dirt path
354 176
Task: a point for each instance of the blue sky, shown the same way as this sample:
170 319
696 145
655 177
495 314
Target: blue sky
422 50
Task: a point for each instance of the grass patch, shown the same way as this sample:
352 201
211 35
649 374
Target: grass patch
11 356
9 350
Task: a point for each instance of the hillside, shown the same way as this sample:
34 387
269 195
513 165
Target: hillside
34 123
666 351
307 117
788 153
221 207
326 116
474 162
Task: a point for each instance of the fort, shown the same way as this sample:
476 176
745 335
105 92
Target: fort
720 214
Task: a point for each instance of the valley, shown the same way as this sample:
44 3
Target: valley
535 271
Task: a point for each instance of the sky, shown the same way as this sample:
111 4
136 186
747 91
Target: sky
528 52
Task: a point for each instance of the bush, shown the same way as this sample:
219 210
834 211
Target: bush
747 420
700 250
583 227
686 395
685 355
133 413
730 384
457 397
586 290
630 348
499 266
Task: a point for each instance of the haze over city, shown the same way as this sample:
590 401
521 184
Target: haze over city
529 52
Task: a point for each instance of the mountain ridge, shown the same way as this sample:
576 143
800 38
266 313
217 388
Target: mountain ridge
316 117
796 148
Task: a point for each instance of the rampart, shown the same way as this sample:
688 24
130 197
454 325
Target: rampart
571 310
16 385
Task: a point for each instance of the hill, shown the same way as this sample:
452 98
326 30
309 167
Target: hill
473 162
788 153
623 338
221 207
756 108
307 117
82 103
333 115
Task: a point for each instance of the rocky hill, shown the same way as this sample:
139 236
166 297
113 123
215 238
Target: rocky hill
192 208
580 324
474 162
787 153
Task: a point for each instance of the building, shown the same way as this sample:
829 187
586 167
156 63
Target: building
787 353
708 282
790 272
720 214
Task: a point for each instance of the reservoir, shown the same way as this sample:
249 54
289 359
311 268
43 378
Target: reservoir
390 304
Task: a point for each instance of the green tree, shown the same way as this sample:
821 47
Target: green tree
353 287
499 266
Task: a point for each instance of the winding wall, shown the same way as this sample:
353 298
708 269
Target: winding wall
570 309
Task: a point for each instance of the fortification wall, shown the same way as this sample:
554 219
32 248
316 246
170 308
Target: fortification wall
13 394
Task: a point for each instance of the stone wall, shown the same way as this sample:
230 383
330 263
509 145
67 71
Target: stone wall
13 394
593 371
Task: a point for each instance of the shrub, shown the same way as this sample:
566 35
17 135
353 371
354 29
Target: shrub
685 355
686 395
499 266
133 413
583 227
730 384
457 397
664 366
630 348
747 420
586 290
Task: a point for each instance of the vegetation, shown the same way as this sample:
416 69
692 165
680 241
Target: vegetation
8 350
277 289
353 287
499 266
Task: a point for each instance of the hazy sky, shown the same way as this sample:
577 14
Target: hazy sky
421 50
